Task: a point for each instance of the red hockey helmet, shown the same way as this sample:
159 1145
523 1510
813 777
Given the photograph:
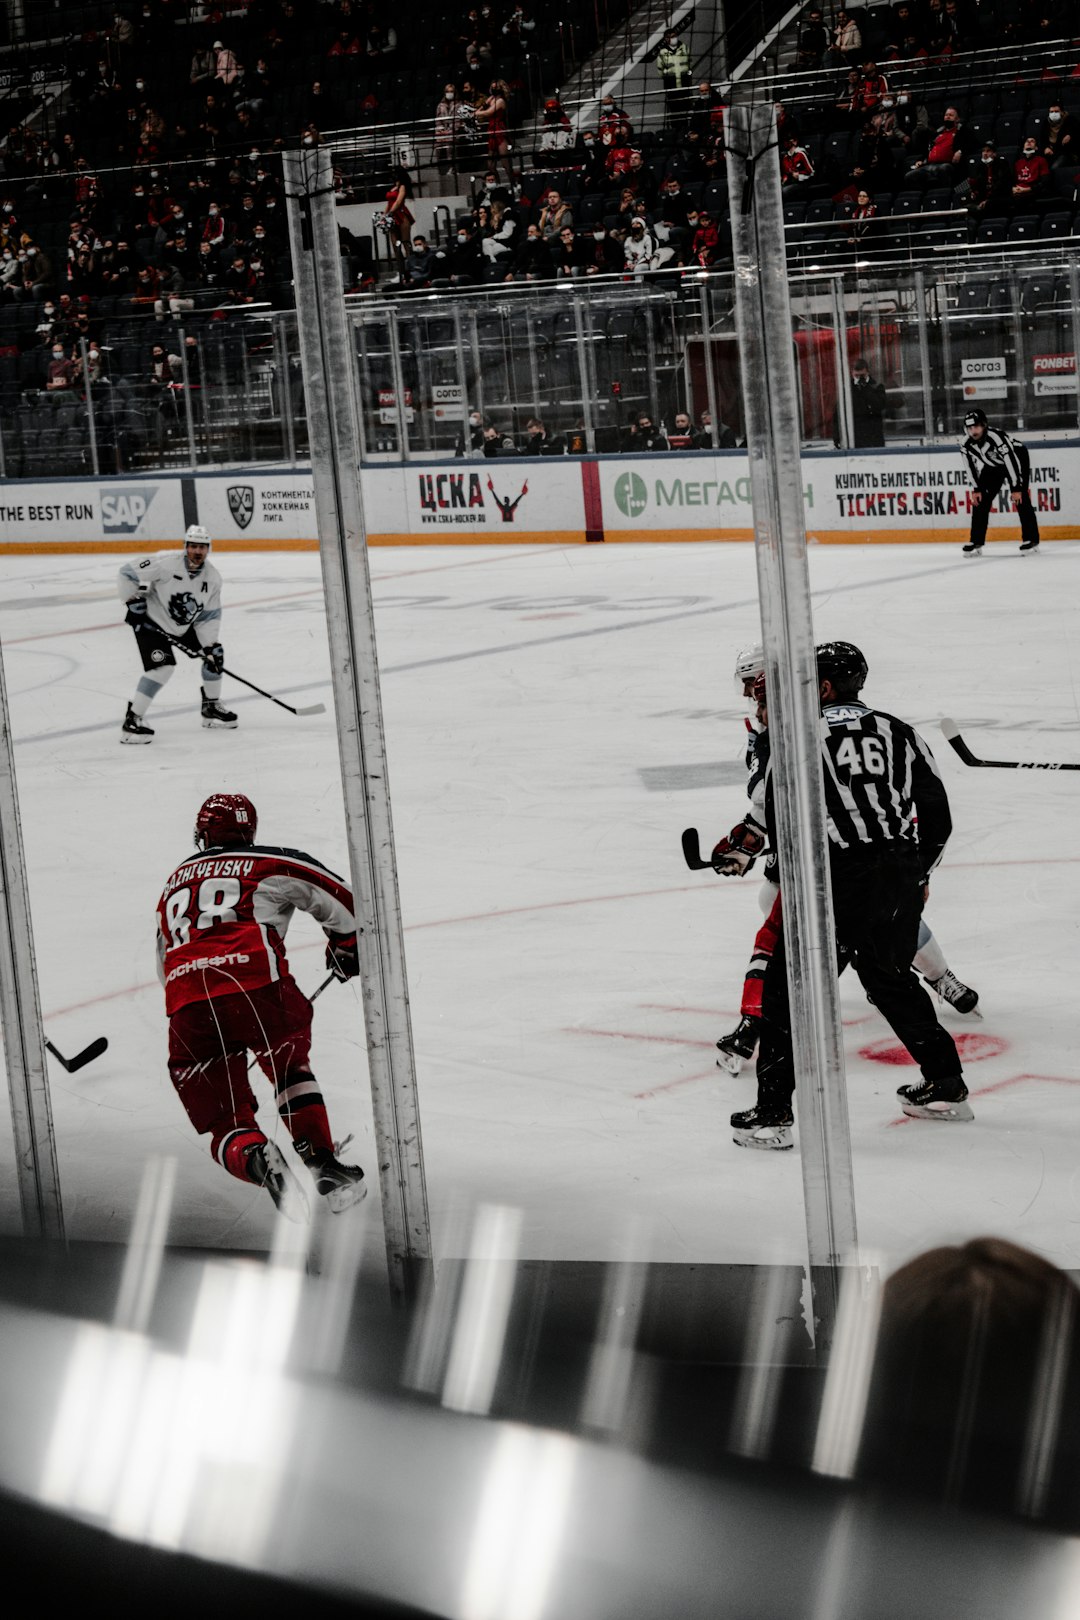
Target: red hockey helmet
224 819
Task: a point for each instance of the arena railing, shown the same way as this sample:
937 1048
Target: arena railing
1000 328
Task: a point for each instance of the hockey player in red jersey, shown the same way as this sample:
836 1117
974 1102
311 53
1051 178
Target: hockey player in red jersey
222 919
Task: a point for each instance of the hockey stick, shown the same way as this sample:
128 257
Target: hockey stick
691 849
310 708
951 732
79 1061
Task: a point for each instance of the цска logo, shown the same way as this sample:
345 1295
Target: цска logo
241 504
631 495
122 510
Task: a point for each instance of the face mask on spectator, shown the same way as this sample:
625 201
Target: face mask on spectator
58 354
461 236
988 157
1030 150
1055 118
598 236
886 101
691 219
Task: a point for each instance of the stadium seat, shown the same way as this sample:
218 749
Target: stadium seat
1024 227
993 230
1056 224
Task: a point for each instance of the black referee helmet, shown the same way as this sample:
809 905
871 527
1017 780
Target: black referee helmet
843 664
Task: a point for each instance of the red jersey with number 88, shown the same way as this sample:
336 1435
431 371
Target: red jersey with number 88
223 914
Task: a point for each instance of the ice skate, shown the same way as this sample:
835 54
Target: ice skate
214 715
739 1046
342 1185
957 994
133 730
944 1100
972 548
768 1128
1029 545
267 1168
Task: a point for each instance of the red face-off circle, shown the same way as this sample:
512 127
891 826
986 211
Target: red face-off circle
972 1046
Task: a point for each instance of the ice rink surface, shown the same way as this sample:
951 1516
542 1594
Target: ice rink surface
555 718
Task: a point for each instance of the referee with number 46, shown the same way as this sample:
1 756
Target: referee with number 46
994 458
888 823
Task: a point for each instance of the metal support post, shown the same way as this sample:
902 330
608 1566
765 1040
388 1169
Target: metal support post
710 380
926 376
189 421
1019 356
463 381
583 374
3 458
285 406
399 382
766 353
91 424
944 423
844 404
1074 308
327 353
20 1013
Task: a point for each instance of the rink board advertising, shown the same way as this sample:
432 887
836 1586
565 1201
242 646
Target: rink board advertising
848 499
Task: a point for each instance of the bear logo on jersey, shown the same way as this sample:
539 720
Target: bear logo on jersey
182 607
241 504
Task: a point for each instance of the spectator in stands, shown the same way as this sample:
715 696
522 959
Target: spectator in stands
569 255
1031 172
466 258
873 85
642 178
682 435
989 184
554 216
93 371
534 255
498 233
203 65
704 237
944 155
10 272
862 216
421 264
795 165
672 214
449 114
647 437
213 230
707 439
592 154
347 43
539 442
673 66
225 63
846 41
641 250
614 122
471 441
61 372
1059 139
706 112
556 134
868 407
602 252
190 361
813 40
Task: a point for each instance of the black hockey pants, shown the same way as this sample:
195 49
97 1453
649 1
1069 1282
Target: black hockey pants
989 485
877 899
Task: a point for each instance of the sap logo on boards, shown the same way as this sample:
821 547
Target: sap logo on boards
122 510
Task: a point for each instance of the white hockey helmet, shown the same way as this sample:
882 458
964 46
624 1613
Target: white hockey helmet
750 663
196 535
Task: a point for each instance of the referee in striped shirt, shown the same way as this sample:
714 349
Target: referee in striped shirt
888 824
994 458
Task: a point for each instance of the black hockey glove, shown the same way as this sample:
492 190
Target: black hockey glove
136 611
214 658
343 956
736 854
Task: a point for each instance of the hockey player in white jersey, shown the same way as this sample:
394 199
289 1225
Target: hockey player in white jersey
170 599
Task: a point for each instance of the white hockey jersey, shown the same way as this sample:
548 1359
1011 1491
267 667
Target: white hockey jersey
175 598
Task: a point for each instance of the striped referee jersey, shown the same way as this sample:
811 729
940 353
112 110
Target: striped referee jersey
995 452
882 787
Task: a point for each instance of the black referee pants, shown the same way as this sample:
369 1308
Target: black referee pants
989 486
877 899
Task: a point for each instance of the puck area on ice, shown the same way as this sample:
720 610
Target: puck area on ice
972 1046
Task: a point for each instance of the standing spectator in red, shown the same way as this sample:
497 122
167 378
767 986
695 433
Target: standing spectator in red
398 214
795 165
494 113
1031 172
